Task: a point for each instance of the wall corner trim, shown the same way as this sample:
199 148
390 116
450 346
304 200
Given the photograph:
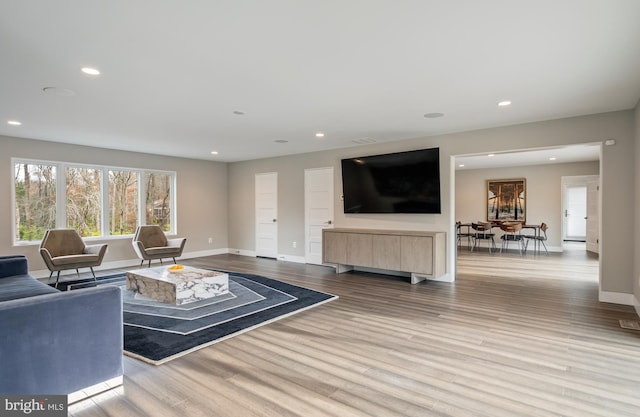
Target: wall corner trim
616 298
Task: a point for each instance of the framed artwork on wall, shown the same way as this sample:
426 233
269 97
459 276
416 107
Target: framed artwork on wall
506 200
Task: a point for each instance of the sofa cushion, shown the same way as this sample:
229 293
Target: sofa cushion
22 286
163 250
75 259
13 265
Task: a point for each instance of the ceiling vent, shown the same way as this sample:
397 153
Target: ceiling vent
364 141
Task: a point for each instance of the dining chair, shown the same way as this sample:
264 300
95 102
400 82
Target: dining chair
482 231
512 233
540 236
464 235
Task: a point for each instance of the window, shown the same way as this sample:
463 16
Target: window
123 202
97 201
35 200
158 201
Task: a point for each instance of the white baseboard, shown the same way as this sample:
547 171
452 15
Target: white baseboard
444 278
291 258
242 252
44 273
280 257
616 298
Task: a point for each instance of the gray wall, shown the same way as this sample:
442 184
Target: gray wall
217 200
636 275
617 166
201 195
543 193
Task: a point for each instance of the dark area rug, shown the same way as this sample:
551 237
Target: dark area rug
157 332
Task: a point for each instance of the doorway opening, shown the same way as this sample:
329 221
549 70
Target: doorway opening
580 196
544 204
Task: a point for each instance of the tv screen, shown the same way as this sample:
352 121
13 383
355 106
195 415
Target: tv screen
403 182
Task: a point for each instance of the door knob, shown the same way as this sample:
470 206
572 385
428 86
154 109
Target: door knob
329 222
274 220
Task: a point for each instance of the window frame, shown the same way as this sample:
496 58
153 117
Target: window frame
61 198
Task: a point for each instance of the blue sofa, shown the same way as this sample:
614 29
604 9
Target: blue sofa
56 342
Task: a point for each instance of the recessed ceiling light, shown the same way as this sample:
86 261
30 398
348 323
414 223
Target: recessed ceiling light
238 112
90 71
461 165
433 115
552 158
504 103
14 123
214 152
491 155
281 141
319 135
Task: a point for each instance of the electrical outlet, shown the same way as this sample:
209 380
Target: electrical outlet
294 244
210 240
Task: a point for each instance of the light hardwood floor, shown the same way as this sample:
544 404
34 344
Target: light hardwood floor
513 336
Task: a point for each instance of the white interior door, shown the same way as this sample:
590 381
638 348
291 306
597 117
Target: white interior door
575 212
267 214
593 228
318 207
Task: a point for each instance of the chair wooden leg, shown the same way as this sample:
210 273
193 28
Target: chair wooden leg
57 279
149 263
94 274
142 262
174 260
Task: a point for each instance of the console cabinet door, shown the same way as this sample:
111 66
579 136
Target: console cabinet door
334 248
359 249
417 254
386 252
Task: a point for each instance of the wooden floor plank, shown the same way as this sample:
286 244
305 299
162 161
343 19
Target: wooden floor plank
514 335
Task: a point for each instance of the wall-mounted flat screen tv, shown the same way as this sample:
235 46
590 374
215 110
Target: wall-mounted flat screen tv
403 182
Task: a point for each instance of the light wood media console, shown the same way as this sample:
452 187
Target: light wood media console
420 253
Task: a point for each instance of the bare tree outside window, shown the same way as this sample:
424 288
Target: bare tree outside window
97 201
84 200
35 194
123 202
158 200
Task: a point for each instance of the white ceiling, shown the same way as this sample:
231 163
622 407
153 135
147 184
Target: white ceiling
542 156
174 72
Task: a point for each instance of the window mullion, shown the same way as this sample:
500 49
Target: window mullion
61 196
142 200
104 209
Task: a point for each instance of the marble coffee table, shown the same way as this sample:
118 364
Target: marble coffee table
177 287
